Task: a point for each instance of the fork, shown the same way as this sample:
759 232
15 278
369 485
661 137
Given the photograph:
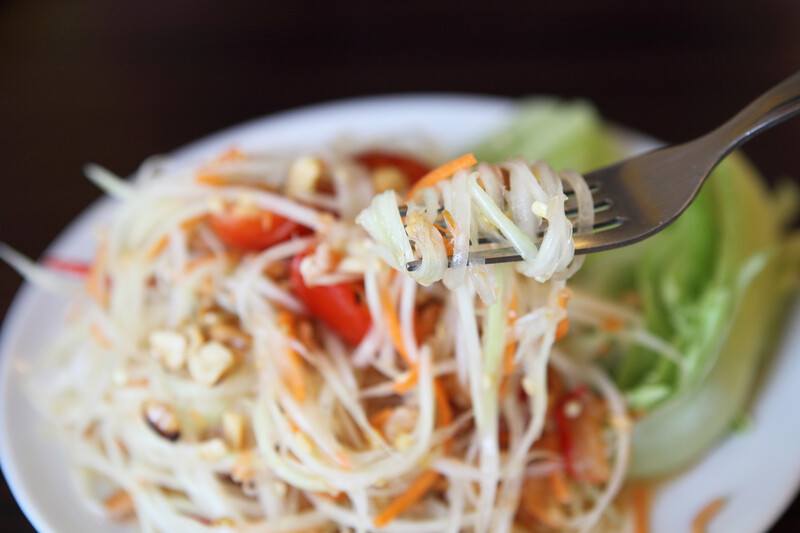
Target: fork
640 196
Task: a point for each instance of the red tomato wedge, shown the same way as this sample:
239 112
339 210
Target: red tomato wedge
254 232
374 159
342 307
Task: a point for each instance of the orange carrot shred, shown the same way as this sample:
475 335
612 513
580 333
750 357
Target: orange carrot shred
407 381
393 324
295 377
443 172
611 324
443 408
209 178
706 515
511 347
232 154
562 329
379 419
158 247
212 179
641 494
418 488
96 281
560 488
563 298
99 336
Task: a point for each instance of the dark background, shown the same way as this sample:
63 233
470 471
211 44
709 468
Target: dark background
114 81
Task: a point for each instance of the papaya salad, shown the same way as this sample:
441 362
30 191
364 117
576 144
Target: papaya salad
249 350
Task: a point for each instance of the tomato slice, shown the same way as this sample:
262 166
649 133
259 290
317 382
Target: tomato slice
412 168
254 232
342 307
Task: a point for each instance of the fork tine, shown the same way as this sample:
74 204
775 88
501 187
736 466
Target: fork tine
570 194
600 206
507 254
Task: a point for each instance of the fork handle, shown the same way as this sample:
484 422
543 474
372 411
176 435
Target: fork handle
778 104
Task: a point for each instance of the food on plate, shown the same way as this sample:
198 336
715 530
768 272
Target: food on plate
248 348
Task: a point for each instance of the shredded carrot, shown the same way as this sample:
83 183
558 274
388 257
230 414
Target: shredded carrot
197 262
564 296
393 325
426 317
443 409
428 480
443 172
508 358
158 247
192 222
343 459
212 179
379 419
558 482
562 329
209 178
203 260
442 403
642 496
96 282
406 382
706 515
338 497
295 377
232 154
611 324
511 347
99 336
418 488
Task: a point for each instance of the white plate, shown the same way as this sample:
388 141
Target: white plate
758 471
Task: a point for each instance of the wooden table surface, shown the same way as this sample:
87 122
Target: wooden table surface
114 82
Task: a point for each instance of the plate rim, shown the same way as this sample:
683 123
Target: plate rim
25 293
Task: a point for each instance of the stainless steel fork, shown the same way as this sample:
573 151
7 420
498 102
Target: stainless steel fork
639 197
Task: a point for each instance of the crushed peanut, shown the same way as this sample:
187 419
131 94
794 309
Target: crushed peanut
230 335
233 426
169 348
244 468
304 174
208 364
385 178
212 450
119 506
162 419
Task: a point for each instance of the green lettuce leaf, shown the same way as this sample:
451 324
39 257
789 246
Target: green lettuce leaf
713 285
